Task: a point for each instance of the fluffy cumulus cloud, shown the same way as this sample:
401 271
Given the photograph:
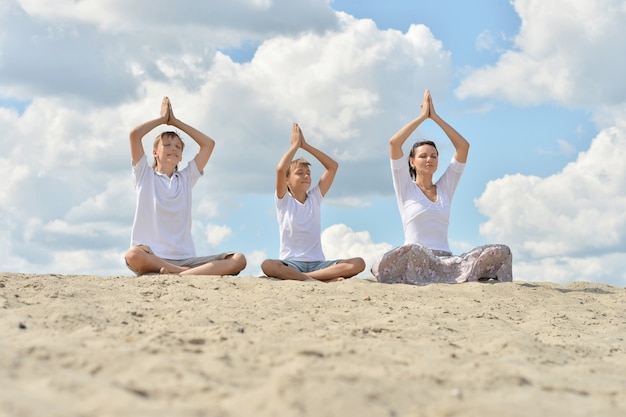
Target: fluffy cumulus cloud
570 216
239 17
605 268
84 73
565 52
217 233
569 225
340 241
87 72
103 51
77 76
340 86
254 260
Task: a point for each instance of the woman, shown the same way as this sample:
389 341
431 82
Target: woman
424 207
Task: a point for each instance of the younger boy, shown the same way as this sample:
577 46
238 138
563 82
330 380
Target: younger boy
299 219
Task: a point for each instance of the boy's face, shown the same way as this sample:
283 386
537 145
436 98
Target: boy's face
169 150
299 178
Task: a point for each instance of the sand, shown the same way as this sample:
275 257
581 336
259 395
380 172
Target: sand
222 346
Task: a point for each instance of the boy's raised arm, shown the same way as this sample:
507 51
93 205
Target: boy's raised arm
285 161
137 134
330 165
204 141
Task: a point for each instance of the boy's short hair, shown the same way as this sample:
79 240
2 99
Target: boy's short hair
297 163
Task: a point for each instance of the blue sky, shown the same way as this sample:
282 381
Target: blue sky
536 87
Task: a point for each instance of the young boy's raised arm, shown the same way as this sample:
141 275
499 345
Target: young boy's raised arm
137 134
285 161
331 166
204 141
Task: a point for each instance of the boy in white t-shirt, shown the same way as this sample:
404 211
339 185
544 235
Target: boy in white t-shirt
299 219
161 239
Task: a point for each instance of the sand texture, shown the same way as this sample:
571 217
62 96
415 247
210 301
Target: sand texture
219 346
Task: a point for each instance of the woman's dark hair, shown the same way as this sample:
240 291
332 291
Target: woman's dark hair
412 154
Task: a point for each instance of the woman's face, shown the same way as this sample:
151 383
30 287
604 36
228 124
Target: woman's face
425 160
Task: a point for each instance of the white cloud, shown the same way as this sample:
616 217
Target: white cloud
68 194
340 242
605 268
67 199
243 16
353 202
254 260
102 263
570 225
566 147
69 183
485 41
340 86
102 51
9 259
565 52
98 207
216 234
574 214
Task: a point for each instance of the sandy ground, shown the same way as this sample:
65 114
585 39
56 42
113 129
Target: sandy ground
221 346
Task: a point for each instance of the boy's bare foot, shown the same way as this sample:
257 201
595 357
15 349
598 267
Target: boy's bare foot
172 271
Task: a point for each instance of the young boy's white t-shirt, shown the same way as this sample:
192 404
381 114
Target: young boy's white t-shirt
300 226
163 210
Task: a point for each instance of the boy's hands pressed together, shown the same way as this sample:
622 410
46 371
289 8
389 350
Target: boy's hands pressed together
296 136
172 120
166 108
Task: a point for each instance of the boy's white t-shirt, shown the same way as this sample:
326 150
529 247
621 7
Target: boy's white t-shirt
163 210
425 222
300 226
